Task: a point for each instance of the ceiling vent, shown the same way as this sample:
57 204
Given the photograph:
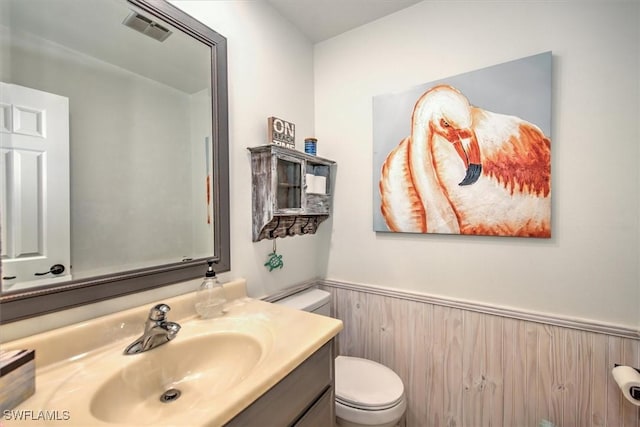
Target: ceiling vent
146 26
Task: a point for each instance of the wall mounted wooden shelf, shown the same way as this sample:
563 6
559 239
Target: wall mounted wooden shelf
292 191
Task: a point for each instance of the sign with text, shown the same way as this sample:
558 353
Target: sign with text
281 133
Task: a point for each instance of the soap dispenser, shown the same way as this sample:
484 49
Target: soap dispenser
210 297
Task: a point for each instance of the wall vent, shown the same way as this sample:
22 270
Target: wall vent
146 26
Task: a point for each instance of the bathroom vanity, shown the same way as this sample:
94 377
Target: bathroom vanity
259 364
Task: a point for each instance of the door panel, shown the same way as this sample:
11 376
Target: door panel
34 185
26 169
29 121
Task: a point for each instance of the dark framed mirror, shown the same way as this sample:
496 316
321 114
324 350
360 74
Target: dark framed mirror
147 201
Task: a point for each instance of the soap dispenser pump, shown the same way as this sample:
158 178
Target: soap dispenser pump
210 297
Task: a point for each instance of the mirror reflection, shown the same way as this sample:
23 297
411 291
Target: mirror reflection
105 142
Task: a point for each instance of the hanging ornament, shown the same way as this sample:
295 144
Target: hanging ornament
274 261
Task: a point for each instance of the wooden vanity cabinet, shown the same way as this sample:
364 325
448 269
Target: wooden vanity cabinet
304 398
291 191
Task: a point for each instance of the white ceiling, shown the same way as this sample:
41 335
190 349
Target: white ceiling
320 20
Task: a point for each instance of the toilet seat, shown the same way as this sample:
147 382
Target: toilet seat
348 416
366 385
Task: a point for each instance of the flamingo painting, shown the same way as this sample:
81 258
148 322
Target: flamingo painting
466 170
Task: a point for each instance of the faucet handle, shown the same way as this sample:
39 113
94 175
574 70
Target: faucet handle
159 312
172 328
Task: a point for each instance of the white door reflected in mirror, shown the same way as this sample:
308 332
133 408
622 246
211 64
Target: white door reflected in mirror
34 187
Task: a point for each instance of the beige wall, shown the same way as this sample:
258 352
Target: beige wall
589 268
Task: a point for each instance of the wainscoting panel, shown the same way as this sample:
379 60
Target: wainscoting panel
467 368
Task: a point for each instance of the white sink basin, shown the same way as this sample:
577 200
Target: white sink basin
175 377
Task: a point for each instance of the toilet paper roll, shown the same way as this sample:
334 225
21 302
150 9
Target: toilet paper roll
310 180
316 184
320 185
628 379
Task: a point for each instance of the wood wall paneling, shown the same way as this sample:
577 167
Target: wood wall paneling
464 368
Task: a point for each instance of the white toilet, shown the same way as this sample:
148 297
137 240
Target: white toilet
367 393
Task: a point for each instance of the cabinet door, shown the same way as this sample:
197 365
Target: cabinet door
288 185
290 399
321 414
317 188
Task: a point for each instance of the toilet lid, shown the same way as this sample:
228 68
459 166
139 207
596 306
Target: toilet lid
366 384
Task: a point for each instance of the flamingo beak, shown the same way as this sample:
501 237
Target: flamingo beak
470 156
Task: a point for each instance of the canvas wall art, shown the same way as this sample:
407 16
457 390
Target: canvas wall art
469 154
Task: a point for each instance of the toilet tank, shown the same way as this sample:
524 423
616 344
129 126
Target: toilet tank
313 300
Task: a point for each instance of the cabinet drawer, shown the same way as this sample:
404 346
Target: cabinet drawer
287 400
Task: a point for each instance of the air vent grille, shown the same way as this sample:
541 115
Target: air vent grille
146 26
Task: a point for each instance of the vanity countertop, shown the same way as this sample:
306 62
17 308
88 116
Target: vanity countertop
74 363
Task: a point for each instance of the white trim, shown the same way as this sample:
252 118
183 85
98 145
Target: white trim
531 316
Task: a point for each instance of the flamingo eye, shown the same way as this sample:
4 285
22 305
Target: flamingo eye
444 123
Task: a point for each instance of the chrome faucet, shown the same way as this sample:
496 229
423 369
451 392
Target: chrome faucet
157 331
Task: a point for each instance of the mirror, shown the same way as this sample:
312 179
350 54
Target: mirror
113 151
